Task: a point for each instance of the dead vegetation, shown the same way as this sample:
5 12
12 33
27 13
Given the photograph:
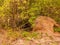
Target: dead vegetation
45 24
43 34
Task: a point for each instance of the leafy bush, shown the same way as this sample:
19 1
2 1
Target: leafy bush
14 13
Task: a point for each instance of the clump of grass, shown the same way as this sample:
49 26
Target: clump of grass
53 43
49 36
25 33
29 34
12 35
56 29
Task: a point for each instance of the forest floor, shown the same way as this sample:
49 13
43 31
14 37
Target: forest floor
15 38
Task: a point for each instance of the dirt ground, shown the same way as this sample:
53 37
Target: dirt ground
45 39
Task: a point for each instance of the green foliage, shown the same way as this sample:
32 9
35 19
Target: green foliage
13 13
57 29
28 34
25 33
1 2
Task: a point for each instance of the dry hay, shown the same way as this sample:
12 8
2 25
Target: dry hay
45 24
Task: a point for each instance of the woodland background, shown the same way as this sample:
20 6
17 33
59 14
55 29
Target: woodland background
20 14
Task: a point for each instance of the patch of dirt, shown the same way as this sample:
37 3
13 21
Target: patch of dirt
45 39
